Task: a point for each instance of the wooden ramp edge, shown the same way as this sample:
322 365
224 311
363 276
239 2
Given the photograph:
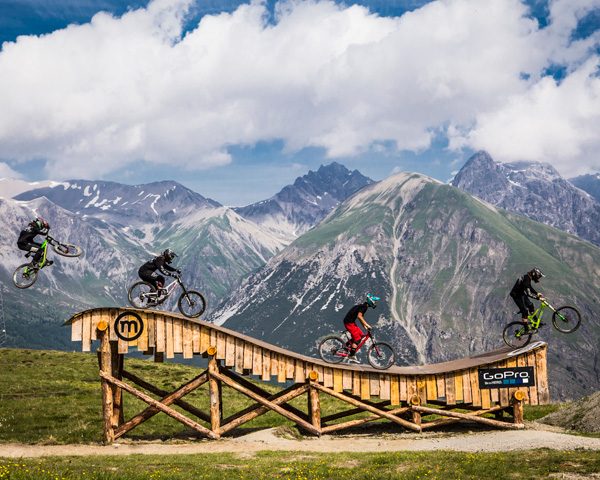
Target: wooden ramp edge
445 387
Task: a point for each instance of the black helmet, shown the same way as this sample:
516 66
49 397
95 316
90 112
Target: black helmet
40 223
169 255
536 274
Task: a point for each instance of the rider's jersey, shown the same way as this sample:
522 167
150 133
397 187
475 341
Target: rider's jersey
352 314
522 287
158 263
30 232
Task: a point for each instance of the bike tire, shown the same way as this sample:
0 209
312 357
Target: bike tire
67 249
193 299
329 347
24 280
564 316
381 355
134 294
509 335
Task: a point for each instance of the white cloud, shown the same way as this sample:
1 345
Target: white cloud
7 172
93 98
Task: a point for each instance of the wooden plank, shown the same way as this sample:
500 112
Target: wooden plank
256 360
142 343
458 388
229 351
204 339
248 355
169 339
77 329
337 381
411 387
522 362
239 355
504 399
365 386
177 335
495 395
532 391
274 364
221 349
299 371
374 384
385 392
328 377
188 340
431 387
320 371
395 390
542 377
112 316
213 338
281 369
511 362
403 389
96 317
450 389
440 383
161 333
151 322
266 365
86 341
355 383
196 338
289 367
475 393
485 398
466 381
347 379
422 389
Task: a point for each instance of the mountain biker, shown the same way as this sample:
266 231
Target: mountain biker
26 240
357 312
522 290
147 271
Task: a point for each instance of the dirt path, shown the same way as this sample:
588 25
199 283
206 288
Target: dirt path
489 441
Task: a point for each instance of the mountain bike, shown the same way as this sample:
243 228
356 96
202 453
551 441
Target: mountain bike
333 349
25 275
143 295
565 319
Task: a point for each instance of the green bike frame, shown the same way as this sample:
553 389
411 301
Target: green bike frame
44 248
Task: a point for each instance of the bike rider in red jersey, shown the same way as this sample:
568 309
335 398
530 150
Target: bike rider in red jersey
358 312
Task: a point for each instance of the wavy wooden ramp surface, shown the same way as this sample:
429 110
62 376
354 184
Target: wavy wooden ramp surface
399 394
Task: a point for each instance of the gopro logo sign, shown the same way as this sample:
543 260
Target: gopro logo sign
506 377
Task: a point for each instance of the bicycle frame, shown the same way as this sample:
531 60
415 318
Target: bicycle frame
42 263
536 317
363 340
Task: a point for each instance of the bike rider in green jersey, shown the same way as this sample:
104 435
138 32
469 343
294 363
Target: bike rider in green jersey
522 290
27 243
147 271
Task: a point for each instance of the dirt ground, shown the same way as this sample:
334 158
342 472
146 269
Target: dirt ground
535 436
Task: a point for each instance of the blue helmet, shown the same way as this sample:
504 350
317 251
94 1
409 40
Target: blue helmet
372 300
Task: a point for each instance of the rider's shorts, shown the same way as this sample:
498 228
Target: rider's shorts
354 331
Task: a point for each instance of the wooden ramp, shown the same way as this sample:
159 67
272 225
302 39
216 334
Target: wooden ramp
415 398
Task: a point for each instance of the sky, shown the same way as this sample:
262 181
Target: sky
236 99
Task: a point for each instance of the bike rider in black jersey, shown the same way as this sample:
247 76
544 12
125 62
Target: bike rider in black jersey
147 271
522 290
26 240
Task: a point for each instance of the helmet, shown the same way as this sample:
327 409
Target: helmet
40 224
169 255
372 300
536 274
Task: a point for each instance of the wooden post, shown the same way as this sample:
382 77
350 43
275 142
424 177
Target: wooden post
416 416
214 386
518 398
117 360
314 403
107 391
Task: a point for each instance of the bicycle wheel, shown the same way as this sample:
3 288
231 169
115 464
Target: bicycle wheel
381 355
67 249
138 295
332 349
566 319
516 335
25 276
192 304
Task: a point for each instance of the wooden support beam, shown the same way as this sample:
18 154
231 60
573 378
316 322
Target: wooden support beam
450 421
259 409
163 408
517 404
107 390
314 408
281 411
353 411
117 361
360 421
369 408
468 416
166 400
214 387
163 393
260 391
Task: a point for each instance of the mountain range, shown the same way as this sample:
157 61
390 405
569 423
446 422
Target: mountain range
443 263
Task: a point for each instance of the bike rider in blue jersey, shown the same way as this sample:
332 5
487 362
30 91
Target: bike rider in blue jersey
27 243
522 290
147 271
